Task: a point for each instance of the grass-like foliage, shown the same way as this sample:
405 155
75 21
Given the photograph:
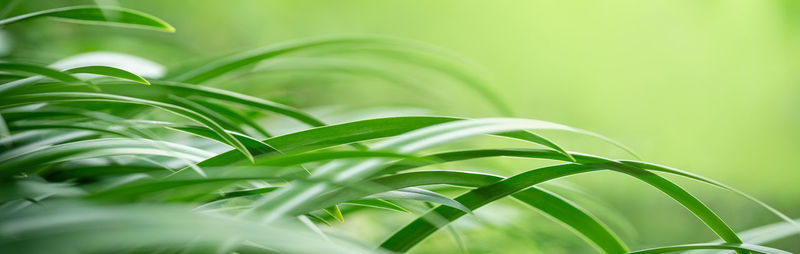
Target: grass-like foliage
99 159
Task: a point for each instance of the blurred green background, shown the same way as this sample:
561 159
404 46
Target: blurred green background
710 87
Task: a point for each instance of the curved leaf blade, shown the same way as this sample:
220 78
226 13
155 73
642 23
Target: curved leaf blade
109 71
741 247
417 230
38 70
25 99
95 15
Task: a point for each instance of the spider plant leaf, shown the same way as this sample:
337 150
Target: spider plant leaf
420 228
435 58
411 193
230 174
136 190
378 203
4 132
8 76
26 99
740 247
37 70
769 233
583 223
407 143
335 213
94 228
161 90
295 159
110 72
562 210
234 116
253 145
41 125
248 192
234 62
96 15
579 158
357 131
188 90
223 121
759 235
352 67
334 135
656 167
13 163
409 51
135 64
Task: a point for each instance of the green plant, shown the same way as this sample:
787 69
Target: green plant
101 164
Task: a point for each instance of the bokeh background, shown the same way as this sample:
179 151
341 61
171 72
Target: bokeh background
712 87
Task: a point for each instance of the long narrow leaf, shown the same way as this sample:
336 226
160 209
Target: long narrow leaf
38 70
109 16
109 71
741 247
25 99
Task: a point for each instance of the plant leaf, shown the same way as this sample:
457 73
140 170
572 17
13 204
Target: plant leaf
12 163
411 193
25 99
109 71
378 203
355 170
421 228
741 247
95 15
38 70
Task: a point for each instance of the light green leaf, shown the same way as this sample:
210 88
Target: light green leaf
741 247
95 15
411 193
378 203
109 71
13 163
25 99
417 230
37 70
